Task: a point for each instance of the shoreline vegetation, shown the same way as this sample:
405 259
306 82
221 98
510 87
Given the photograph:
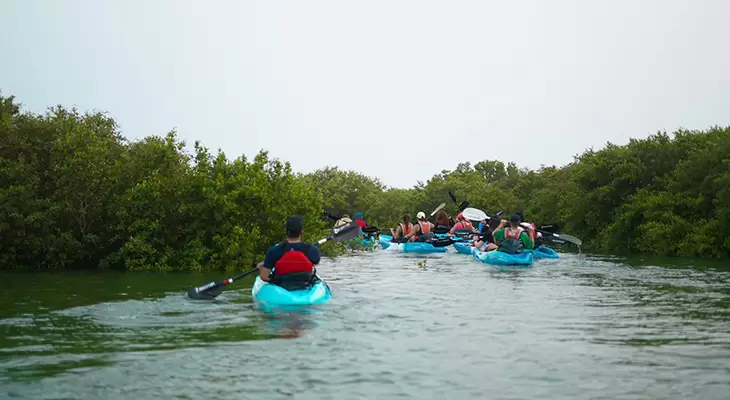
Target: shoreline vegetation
75 194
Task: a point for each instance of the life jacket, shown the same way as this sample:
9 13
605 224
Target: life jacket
294 270
361 223
463 225
425 227
510 233
406 229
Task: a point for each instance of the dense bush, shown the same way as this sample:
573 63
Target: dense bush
75 194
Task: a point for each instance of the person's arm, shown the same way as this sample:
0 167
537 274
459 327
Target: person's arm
397 232
268 264
526 241
498 235
314 255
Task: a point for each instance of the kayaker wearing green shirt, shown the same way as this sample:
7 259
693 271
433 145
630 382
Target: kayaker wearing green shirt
513 239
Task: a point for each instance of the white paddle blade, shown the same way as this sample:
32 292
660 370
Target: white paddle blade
438 209
474 214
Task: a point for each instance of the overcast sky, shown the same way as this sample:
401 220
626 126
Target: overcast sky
398 90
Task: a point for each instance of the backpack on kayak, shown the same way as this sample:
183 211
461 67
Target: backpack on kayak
512 243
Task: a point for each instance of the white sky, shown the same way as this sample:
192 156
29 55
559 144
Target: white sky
398 90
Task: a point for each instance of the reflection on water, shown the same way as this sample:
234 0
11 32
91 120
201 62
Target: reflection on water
580 327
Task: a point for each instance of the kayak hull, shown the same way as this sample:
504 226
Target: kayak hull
543 252
414 247
495 257
266 293
463 248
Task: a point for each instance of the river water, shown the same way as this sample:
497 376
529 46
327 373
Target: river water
582 327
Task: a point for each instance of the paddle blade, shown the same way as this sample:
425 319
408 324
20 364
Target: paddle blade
464 205
452 196
474 214
569 238
343 232
207 291
441 206
552 228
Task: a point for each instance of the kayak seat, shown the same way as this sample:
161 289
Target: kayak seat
295 281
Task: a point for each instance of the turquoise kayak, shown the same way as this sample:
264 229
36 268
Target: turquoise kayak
266 293
463 248
455 238
543 252
495 257
413 247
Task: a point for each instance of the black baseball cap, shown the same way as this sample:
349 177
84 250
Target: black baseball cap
294 225
515 218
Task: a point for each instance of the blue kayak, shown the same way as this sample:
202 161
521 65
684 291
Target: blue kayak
495 257
542 252
267 293
463 248
413 247
456 238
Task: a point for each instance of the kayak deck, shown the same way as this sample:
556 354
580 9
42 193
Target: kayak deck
267 293
411 247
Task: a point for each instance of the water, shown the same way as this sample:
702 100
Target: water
584 327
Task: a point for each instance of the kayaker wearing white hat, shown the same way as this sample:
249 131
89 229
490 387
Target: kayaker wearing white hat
422 230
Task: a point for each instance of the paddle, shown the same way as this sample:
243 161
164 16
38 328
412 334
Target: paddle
213 289
563 236
464 204
439 208
342 233
474 214
552 228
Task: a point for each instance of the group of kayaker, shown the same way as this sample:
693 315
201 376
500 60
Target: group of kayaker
512 236
291 263
408 232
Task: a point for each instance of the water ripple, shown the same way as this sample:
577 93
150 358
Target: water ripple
584 326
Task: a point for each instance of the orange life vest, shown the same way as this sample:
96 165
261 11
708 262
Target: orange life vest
406 229
425 227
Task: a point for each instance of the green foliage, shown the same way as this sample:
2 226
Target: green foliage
75 194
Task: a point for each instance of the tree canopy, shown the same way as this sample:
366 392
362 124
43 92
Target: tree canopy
74 193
